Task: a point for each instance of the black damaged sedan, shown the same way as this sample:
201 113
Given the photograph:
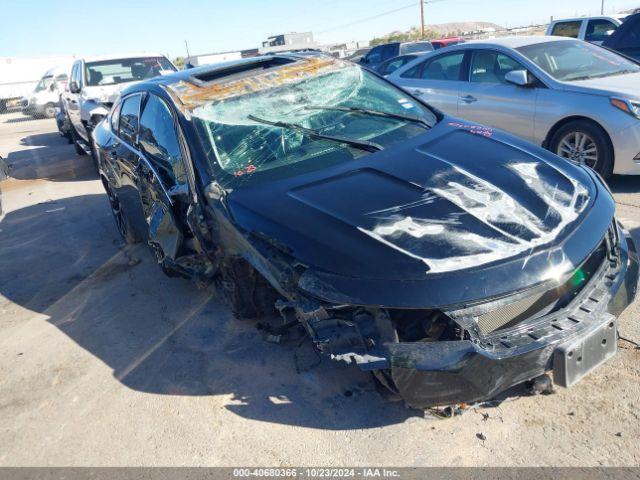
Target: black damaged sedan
450 260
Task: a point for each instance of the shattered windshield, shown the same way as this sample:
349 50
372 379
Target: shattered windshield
306 125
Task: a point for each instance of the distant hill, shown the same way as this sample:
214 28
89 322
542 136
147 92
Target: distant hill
445 29
436 31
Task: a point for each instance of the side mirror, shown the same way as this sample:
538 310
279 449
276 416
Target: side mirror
52 87
74 87
519 78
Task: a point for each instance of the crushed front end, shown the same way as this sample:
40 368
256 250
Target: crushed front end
450 356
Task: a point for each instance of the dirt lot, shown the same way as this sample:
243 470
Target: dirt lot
105 361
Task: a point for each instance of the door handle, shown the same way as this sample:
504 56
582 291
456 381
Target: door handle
469 99
417 93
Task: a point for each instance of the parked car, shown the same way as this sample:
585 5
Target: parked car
626 39
590 29
4 174
391 65
45 97
446 42
382 53
578 100
96 82
357 55
385 228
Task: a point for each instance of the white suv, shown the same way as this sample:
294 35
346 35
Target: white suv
96 82
590 29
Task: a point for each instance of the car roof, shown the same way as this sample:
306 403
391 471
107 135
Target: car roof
618 17
218 69
103 58
513 42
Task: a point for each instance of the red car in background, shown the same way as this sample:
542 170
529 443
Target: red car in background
446 42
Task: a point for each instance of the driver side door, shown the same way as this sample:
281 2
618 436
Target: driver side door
163 181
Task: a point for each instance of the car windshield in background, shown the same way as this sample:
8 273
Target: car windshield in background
416 47
303 126
569 61
44 83
111 72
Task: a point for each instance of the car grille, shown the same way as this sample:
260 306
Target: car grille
546 302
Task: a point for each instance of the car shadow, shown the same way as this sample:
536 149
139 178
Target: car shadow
24 118
49 156
624 184
163 335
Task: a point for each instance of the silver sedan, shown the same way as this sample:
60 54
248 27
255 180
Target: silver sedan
578 100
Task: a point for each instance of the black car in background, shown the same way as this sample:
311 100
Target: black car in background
626 38
382 53
449 259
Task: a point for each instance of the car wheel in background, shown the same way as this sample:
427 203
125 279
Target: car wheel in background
585 143
49 110
74 139
124 226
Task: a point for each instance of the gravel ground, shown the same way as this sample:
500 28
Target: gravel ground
105 361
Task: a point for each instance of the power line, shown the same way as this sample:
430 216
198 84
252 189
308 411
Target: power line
363 20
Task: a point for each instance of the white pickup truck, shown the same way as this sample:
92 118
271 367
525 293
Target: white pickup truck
95 83
590 29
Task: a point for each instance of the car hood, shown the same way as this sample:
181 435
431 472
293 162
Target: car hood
619 85
457 200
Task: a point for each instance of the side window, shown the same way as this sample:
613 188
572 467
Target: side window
567 29
158 139
115 116
393 65
76 74
444 67
491 67
599 30
73 72
128 125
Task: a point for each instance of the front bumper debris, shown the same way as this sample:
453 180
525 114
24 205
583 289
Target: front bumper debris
445 373
571 339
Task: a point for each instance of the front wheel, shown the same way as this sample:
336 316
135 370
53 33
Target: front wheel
245 290
586 143
49 110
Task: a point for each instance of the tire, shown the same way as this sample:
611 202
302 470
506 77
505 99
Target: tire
49 111
385 386
246 292
125 228
585 142
74 139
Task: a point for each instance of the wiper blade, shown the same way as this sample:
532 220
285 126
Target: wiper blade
376 113
361 144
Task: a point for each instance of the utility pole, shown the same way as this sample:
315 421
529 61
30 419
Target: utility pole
188 54
602 8
422 19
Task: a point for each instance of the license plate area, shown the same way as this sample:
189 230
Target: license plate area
575 359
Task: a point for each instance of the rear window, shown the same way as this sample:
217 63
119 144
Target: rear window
416 47
112 72
567 29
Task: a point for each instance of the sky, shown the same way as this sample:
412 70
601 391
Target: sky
83 28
